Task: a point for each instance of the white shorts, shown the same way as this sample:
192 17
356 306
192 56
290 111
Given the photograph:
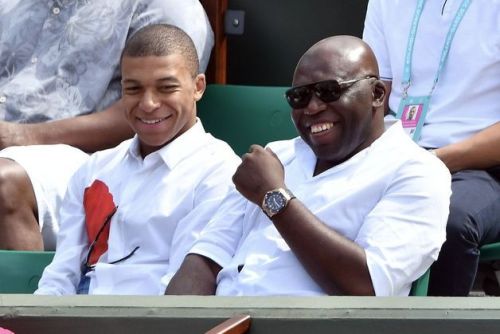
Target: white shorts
49 168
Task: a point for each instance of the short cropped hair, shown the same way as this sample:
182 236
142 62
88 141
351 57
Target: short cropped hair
163 40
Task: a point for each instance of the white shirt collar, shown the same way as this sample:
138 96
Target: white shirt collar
177 150
308 158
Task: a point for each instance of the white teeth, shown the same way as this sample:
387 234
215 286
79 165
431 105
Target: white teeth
152 121
321 127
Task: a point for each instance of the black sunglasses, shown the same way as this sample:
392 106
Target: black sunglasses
327 91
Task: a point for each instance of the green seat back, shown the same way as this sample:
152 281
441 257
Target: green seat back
246 115
20 271
490 252
420 286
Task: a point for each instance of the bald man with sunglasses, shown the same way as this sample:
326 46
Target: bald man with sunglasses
350 207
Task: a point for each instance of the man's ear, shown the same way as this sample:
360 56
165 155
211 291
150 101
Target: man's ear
379 94
200 86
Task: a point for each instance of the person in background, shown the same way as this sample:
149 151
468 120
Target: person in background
456 83
131 213
351 207
59 97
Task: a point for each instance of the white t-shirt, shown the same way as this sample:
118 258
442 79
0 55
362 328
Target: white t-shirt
391 199
467 96
163 202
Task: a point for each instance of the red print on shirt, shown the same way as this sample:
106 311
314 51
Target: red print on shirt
99 208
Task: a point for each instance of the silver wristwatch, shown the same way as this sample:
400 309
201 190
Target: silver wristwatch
276 200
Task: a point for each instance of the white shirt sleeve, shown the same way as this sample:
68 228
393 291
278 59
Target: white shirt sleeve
62 276
373 35
403 234
207 200
221 237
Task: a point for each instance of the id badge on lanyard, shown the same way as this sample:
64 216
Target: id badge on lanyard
413 110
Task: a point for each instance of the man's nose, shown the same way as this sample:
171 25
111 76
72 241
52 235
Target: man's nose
314 106
149 101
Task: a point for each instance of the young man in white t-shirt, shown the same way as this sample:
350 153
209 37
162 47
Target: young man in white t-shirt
131 213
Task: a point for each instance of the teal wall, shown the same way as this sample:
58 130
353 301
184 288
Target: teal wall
277 32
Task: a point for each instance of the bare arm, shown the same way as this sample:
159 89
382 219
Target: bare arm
333 261
90 133
479 151
196 276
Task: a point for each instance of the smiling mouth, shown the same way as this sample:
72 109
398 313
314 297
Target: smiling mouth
319 128
152 121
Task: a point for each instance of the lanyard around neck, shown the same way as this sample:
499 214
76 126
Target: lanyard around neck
446 48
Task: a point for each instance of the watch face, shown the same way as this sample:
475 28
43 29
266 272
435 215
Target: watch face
275 201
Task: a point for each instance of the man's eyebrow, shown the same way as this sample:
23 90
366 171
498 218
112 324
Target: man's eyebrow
131 81
168 80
